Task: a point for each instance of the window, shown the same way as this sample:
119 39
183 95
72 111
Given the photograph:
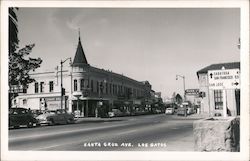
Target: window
107 89
97 86
218 99
92 85
51 86
110 88
25 90
101 87
24 101
82 84
41 87
36 87
75 85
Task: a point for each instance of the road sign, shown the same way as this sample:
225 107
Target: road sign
224 79
194 92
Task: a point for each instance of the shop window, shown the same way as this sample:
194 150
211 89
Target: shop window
41 87
36 87
218 99
82 84
75 85
51 86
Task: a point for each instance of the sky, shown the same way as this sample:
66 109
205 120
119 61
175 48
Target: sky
153 44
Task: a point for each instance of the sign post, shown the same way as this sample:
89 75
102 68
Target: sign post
223 80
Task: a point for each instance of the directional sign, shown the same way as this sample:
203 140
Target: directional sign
224 79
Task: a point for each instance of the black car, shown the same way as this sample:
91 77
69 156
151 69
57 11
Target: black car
21 116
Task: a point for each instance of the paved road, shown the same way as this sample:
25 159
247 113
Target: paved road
148 133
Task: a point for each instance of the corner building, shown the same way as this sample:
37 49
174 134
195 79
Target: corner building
211 102
88 90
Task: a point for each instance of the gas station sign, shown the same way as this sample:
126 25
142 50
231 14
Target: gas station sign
224 79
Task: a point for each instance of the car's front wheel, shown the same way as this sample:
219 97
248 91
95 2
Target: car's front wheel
51 122
30 124
70 121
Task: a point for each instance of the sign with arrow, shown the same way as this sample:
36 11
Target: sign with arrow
224 79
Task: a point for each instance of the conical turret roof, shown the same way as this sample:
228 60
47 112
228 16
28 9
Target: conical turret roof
80 58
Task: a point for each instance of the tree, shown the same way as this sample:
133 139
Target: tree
19 64
178 98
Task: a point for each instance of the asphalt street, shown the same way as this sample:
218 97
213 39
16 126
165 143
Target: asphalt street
139 133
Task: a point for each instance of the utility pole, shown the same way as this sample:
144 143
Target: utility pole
62 89
184 94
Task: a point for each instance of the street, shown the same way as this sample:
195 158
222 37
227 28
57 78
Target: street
139 133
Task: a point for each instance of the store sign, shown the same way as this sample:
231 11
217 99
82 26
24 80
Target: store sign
194 92
224 79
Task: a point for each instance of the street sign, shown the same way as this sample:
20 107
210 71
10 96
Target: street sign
194 92
224 79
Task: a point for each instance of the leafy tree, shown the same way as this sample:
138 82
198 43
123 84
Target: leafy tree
19 64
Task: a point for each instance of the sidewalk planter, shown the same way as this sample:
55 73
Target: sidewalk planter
217 134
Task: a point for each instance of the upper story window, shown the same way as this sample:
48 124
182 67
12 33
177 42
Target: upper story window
107 89
218 99
92 85
41 87
36 87
75 85
110 88
51 86
82 84
97 86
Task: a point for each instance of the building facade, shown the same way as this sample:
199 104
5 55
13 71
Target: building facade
83 89
212 100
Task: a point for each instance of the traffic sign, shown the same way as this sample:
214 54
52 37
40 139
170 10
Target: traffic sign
224 79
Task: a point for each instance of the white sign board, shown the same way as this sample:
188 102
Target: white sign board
224 79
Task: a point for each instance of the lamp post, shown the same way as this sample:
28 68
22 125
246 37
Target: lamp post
62 89
183 77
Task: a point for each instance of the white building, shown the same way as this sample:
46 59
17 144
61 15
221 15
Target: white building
212 99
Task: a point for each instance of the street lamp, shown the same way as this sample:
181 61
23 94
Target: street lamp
183 77
62 89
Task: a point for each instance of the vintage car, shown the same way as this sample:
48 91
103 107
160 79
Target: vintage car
59 116
115 113
169 111
21 117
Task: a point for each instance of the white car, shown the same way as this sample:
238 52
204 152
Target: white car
115 112
56 117
169 111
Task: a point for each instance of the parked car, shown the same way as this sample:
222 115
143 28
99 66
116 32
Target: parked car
115 113
53 117
169 111
190 111
181 111
21 117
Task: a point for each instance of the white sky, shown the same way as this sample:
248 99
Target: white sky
144 44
